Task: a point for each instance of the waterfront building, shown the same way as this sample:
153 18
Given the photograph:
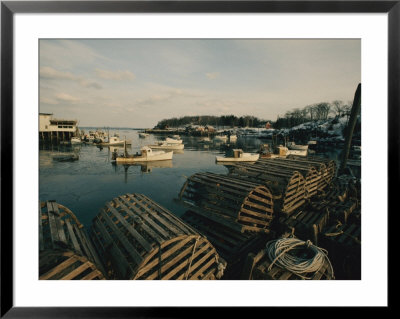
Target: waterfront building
51 129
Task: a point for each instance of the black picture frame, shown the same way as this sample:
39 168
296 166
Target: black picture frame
9 8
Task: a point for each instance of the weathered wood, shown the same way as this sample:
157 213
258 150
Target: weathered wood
232 198
61 234
343 242
150 239
41 241
66 265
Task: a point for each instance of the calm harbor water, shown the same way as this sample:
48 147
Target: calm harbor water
85 185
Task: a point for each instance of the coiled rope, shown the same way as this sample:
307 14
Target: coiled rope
299 261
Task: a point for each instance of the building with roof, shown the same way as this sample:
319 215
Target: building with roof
52 129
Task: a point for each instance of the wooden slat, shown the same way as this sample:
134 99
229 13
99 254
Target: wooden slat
70 261
151 233
73 237
130 229
77 271
85 250
93 275
146 218
41 241
204 267
266 216
60 228
52 224
148 266
171 263
123 240
185 228
185 263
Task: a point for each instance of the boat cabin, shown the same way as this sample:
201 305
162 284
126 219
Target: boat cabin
145 151
237 153
281 150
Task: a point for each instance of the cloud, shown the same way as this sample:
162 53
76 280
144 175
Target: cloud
115 75
50 73
88 84
64 97
212 75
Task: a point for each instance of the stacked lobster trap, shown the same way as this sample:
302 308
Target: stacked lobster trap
139 239
65 251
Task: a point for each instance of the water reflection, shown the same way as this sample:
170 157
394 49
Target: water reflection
50 154
145 167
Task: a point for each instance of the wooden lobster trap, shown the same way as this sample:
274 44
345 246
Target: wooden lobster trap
344 244
338 201
139 239
307 224
231 243
65 250
244 205
258 267
286 186
326 168
310 173
67 265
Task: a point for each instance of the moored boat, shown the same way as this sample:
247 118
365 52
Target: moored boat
239 156
297 152
142 134
75 140
173 140
294 146
221 137
167 146
115 141
146 155
232 138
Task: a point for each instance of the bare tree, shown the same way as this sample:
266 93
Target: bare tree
338 107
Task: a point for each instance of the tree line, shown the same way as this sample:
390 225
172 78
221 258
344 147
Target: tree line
215 121
314 112
297 116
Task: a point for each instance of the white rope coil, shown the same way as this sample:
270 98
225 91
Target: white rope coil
278 252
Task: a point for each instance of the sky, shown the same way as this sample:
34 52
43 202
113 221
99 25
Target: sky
136 83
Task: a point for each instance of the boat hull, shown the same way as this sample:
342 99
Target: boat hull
297 152
173 141
168 147
250 158
134 159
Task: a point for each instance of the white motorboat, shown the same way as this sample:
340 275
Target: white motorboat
142 134
232 138
294 146
75 140
167 146
239 156
115 141
173 140
221 137
146 155
297 152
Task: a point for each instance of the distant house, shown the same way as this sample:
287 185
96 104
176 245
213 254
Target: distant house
52 129
209 128
268 125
